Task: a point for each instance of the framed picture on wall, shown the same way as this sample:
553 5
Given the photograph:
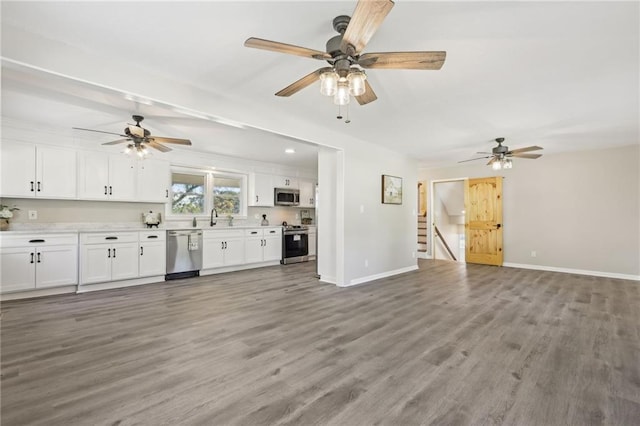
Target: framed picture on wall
391 189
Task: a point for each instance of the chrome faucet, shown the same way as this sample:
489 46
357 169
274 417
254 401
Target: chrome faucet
211 223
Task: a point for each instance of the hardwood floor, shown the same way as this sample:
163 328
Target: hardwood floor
446 345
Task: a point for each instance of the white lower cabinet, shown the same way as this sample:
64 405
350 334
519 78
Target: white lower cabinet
152 253
30 262
312 241
263 245
222 248
108 257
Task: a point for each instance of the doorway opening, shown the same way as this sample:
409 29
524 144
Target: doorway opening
448 218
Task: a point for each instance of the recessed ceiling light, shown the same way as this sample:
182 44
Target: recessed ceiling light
290 151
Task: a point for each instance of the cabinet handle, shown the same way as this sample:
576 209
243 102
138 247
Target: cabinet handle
141 251
110 238
167 193
32 189
225 245
38 186
105 190
109 253
31 258
152 236
257 198
254 232
36 241
272 232
222 245
110 192
114 253
38 258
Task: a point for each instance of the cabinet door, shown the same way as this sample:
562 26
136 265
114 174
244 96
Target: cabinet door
122 178
307 193
272 248
18 170
234 251
285 182
261 190
152 258
17 270
56 266
153 181
95 263
93 176
124 261
253 249
312 244
56 172
212 253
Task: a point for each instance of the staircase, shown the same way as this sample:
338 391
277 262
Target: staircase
422 234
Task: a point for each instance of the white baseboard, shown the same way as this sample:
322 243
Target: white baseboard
328 280
38 293
573 271
386 274
85 288
423 255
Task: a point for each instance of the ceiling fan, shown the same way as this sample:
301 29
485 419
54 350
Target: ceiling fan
139 138
500 155
345 76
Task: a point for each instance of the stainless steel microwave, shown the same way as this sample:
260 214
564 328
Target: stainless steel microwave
286 197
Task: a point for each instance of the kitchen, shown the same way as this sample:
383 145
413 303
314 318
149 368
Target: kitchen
83 240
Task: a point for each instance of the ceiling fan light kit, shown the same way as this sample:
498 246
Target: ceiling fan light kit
500 155
346 77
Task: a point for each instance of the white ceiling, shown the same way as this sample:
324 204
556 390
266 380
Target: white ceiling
562 75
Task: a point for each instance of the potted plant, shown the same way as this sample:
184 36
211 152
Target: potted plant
6 213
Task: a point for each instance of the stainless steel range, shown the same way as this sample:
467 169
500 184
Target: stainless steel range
295 244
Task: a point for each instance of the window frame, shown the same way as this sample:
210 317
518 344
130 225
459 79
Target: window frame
209 179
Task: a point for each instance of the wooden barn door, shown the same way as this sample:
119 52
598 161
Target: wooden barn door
483 220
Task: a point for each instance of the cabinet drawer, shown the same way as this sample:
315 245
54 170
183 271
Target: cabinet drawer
153 236
270 232
223 233
257 232
108 237
33 240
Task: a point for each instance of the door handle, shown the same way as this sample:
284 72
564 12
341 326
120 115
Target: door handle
498 226
167 193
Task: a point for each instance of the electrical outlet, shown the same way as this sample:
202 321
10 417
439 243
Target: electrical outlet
366 263
33 214
533 253
256 216
297 215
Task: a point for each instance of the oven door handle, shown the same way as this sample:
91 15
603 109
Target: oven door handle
306 232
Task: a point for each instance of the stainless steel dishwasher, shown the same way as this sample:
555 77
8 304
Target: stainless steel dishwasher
184 253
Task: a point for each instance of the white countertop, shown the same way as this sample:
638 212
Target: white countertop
96 228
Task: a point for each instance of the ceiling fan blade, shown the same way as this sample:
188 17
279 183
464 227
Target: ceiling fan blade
274 46
368 96
116 142
474 159
403 60
158 139
159 147
302 83
531 156
493 160
366 19
526 149
99 131
488 153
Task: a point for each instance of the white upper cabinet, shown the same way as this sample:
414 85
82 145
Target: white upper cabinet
30 170
307 193
106 177
260 190
285 182
154 181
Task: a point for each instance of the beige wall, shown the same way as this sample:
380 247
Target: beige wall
577 210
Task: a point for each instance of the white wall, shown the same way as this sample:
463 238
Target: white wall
578 211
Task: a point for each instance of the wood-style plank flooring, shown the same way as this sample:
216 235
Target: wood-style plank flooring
446 345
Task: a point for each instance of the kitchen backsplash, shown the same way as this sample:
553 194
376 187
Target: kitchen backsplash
62 212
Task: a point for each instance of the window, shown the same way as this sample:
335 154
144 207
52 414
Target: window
195 192
227 193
